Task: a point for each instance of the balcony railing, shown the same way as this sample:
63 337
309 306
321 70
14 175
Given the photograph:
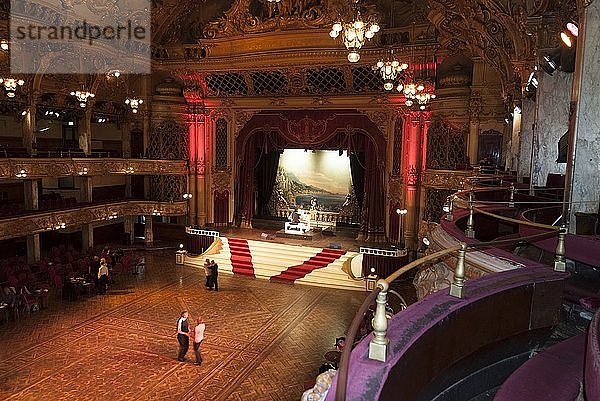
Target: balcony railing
56 220
33 168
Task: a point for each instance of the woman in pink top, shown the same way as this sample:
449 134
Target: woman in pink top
198 337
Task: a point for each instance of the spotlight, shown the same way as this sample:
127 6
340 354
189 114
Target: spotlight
180 246
550 61
566 39
572 27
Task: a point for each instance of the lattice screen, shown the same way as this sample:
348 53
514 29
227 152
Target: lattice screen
226 84
167 188
168 140
269 83
434 203
325 80
365 80
446 147
221 145
397 160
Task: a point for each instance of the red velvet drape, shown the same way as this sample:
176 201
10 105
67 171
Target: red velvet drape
221 208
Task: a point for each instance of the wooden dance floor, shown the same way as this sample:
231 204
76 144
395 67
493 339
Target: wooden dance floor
263 341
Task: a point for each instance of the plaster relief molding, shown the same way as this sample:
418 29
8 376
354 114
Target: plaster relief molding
278 101
221 179
241 119
381 118
42 222
475 105
447 179
394 190
41 168
321 100
216 114
244 17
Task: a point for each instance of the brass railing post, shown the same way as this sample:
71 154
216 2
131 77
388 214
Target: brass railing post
458 285
378 347
449 215
470 231
511 199
560 264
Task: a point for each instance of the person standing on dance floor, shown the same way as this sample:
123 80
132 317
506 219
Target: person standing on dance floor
214 276
183 336
207 273
102 276
198 337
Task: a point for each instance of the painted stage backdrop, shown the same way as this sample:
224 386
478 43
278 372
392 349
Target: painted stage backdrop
313 180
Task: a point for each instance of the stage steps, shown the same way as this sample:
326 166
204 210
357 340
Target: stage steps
281 262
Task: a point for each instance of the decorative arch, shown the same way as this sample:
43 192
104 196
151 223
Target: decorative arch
267 133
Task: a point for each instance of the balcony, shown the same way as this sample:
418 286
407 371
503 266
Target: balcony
55 220
34 168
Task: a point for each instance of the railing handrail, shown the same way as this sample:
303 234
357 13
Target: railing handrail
351 335
517 221
199 231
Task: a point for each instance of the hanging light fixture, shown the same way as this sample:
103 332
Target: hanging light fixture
390 70
11 84
273 1
82 97
134 103
4 44
355 33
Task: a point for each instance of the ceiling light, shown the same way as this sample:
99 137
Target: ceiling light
572 27
4 44
566 39
355 32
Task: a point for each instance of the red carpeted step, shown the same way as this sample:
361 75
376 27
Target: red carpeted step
320 260
241 259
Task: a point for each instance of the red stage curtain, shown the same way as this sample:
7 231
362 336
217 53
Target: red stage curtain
221 208
321 131
265 176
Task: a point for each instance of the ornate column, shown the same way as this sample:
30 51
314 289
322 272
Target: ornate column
384 120
85 130
475 108
415 129
148 233
126 139
129 224
582 184
87 236
31 190
29 138
85 189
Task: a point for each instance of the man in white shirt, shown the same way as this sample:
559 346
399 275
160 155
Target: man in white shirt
183 336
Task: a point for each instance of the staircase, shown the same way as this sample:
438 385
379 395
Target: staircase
282 263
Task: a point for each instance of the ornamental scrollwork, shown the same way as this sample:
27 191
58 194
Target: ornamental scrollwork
40 168
48 221
221 180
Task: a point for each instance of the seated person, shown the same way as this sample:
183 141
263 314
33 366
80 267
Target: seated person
295 217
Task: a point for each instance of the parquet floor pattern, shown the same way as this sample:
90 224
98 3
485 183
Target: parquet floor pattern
264 341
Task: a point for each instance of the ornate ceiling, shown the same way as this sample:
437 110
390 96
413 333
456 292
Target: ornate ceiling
505 33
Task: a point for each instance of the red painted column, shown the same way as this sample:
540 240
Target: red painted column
413 165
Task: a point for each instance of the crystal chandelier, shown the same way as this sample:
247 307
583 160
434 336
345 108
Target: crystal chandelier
390 70
10 84
355 33
82 97
273 1
418 93
134 103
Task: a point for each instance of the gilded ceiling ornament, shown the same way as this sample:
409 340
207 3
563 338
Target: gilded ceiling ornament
248 16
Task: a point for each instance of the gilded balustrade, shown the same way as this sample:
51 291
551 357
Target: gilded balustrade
46 221
32 168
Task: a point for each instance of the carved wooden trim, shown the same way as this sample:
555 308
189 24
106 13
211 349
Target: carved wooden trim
47 221
61 167
447 179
